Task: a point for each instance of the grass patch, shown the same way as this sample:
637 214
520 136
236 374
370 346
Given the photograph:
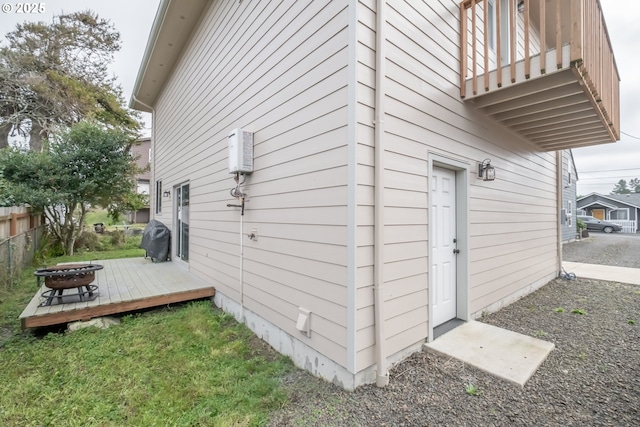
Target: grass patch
189 366
14 299
579 311
95 216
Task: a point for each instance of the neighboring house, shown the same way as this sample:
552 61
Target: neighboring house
623 209
367 223
142 152
569 194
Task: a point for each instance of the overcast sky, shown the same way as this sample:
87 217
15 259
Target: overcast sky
599 168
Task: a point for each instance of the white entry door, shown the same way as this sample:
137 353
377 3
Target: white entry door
443 245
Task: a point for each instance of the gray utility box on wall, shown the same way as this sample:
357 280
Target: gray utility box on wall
240 151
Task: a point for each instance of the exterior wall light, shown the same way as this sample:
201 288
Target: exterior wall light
521 6
166 193
486 171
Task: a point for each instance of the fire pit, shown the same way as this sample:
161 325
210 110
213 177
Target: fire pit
68 276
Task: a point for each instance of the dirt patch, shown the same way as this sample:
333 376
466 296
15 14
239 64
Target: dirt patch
621 250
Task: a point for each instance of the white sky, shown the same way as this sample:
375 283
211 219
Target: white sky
599 168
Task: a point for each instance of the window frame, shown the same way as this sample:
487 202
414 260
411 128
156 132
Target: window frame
625 210
492 25
158 201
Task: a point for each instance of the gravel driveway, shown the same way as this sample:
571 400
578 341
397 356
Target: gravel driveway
622 250
591 378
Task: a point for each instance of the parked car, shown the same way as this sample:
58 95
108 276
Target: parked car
595 224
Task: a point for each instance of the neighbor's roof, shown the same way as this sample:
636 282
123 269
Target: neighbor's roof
171 30
627 199
598 202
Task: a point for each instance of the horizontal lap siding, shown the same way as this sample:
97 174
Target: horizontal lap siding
278 69
512 219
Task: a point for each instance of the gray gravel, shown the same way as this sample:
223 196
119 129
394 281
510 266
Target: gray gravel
591 378
622 250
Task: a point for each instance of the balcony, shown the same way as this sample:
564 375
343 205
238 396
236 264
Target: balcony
543 68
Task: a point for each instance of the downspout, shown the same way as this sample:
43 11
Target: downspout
153 151
382 377
559 200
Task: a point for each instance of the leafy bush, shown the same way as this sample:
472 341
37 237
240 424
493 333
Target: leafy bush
87 241
49 247
132 242
117 238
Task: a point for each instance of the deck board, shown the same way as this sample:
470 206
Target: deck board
123 285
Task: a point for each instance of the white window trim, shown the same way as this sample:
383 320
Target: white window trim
158 194
492 26
618 210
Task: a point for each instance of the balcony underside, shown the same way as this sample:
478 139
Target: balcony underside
553 111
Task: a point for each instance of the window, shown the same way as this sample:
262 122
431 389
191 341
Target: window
159 196
492 31
491 25
620 214
142 187
569 213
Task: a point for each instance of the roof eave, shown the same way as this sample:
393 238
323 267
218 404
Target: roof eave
170 33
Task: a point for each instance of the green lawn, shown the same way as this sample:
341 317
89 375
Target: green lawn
185 366
96 215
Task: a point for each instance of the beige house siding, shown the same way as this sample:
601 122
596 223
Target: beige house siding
301 76
280 71
512 220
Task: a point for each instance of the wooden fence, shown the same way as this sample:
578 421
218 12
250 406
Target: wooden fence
20 234
16 220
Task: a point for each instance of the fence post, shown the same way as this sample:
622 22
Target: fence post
10 261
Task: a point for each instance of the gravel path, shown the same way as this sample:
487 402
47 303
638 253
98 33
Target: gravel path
591 378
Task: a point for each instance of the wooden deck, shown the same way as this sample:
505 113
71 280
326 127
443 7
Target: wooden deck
123 285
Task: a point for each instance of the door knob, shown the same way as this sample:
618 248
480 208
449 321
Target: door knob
456 251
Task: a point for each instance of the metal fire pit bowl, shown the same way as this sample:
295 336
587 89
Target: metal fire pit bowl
68 276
